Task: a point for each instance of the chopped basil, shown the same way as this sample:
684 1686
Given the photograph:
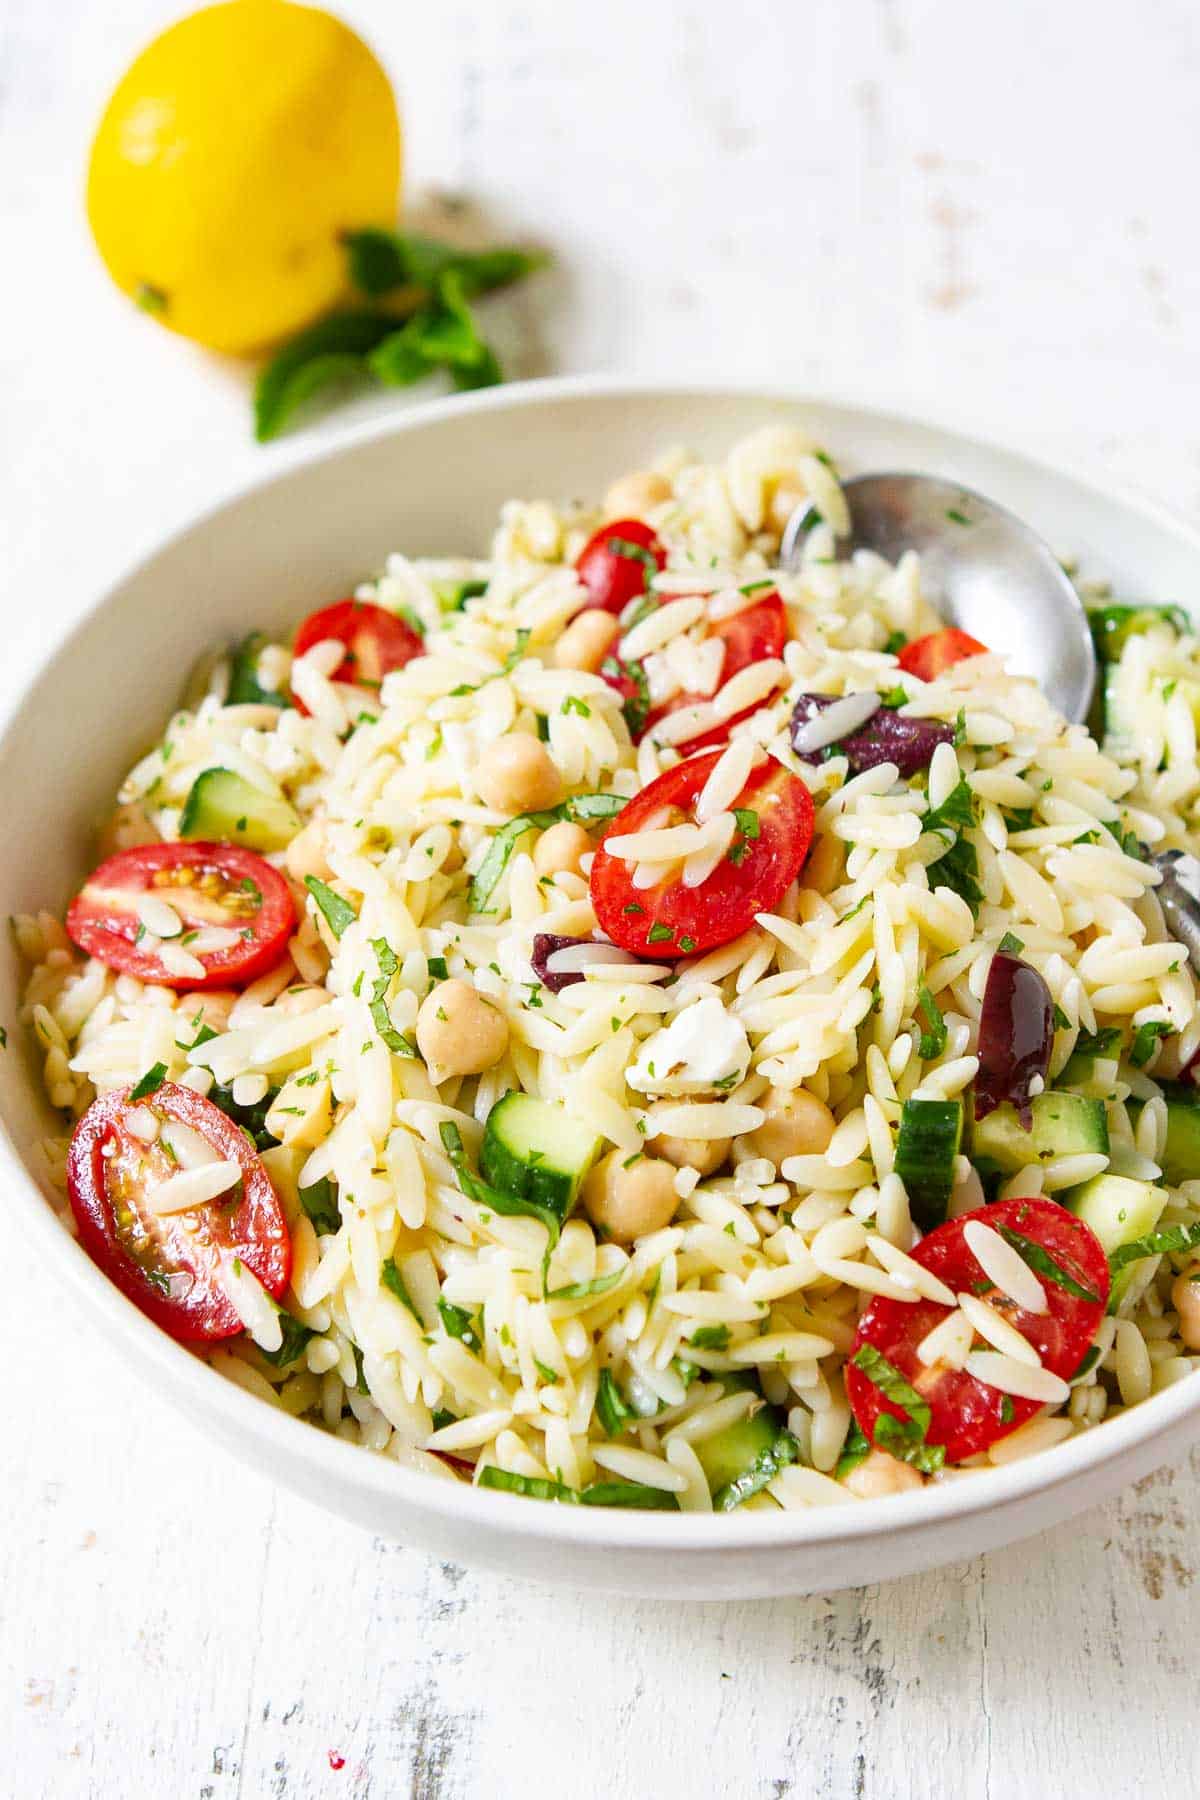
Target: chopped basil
629 1493
395 1041
572 704
1167 1242
393 1281
150 1082
338 913
1145 1038
660 933
855 1449
585 1290
548 1375
612 1409
1042 1263
437 968
483 1194
518 650
583 809
459 1323
933 1041
710 1337
903 1438
634 553
1010 944
533 1487
958 867
252 1119
320 1202
1090 1359
295 1337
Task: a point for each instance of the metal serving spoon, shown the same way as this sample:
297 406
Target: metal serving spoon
983 569
990 575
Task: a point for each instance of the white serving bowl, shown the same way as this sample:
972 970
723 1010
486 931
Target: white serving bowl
431 482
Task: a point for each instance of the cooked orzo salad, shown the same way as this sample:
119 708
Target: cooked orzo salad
623 1024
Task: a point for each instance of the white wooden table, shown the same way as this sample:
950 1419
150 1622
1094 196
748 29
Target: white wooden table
980 212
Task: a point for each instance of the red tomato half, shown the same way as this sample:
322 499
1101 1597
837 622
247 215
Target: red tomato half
672 920
931 656
758 634
967 1416
613 574
377 641
208 885
167 1263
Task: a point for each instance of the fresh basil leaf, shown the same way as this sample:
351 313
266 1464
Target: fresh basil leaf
460 1324
244 688
584 809
710 1337
149 1083
295 1337
252 1119
338 913
612 1409
933 1041
956 813
629 1493
1167 1242
533 1487
893 1386
320 1202
1043 1264
1145 1038
395 1041
333 350
393 1281
584 1290
899 1437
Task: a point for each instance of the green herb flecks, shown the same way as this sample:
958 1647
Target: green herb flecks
584 809
459 1323
394 1040
1145 1040
337 913
1042 1263
612 1409
958 868
295 1338
149 1083
932 1040
391 1278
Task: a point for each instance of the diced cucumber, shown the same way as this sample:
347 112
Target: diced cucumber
1103 1046
537 1151
1119 726
1181 1156
740 1460
929 1140
1113 626
1118 1209
225 806
1062 1125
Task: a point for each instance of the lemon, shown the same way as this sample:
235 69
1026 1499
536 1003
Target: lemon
233 153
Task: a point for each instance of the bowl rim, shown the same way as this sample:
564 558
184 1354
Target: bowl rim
320 1455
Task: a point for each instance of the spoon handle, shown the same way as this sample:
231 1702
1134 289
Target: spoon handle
1179 897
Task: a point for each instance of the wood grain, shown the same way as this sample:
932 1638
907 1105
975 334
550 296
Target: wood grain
979 213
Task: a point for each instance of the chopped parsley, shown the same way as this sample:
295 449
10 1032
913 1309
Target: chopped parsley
1146 1039
337 913
1010 944
933 1040
150 1082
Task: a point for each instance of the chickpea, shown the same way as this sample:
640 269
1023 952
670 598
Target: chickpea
1185 1298
211 1008
879 1474
787 497
458 1033
629 1203
301 1117
559 849
518 775
797 1124
305 855
587 640
702 1154
296 1000
634 495
128 827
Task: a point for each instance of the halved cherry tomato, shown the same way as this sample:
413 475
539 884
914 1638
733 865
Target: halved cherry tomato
932 655
377 641
764 859
617 563
208 885
168 1263
966 1415
757 634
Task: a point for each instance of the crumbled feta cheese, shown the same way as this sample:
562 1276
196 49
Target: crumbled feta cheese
702 1046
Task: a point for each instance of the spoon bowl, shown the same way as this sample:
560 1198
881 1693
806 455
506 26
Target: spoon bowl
982 567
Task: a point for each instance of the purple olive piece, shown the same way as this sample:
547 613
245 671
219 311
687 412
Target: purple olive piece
545 943
886 737
1016 1032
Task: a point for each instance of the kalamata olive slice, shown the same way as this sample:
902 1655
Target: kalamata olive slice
885 737
1016 1033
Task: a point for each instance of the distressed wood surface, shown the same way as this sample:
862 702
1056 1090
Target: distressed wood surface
980 213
